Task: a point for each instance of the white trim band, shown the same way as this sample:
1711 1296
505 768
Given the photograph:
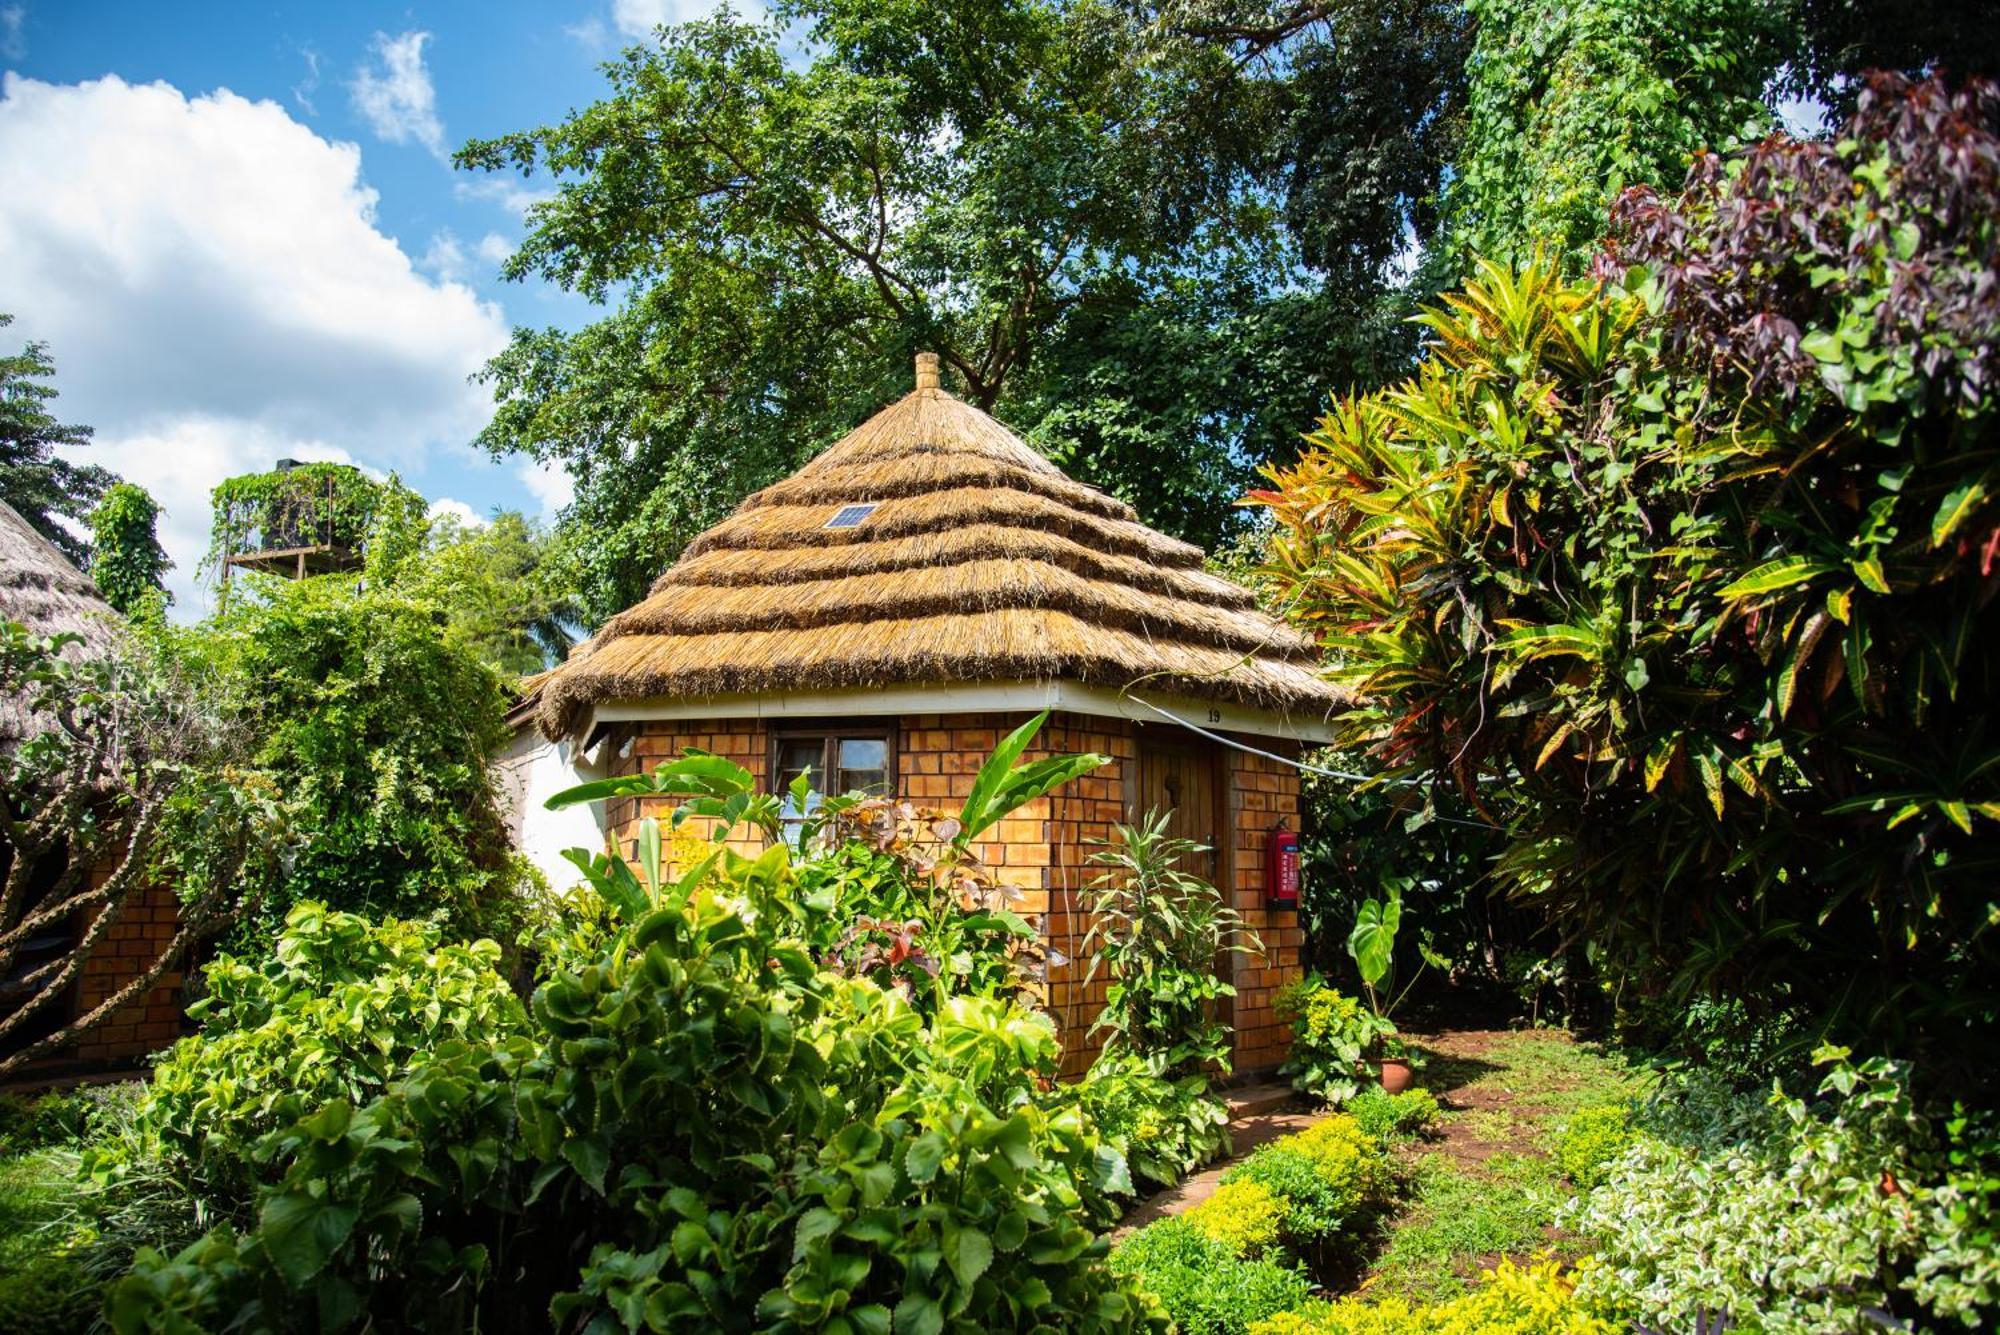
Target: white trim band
995 697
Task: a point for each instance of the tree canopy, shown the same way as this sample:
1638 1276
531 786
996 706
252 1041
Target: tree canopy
39 483
1141 236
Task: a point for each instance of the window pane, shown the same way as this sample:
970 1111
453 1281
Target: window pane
864 765
864 753
802 755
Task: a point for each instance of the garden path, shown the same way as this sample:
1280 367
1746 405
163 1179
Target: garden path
1482 1187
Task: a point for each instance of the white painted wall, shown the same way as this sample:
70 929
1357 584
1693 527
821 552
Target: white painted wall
526 773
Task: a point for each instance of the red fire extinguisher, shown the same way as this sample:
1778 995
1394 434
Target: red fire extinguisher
1281 868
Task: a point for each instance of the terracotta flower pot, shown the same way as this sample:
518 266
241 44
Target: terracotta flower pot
1396 1075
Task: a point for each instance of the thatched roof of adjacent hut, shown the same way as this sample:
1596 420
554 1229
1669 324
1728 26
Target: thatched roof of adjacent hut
40 589
979 562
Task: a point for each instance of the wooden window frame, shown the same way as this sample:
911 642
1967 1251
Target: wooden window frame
828 732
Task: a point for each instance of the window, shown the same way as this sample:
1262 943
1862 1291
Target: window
856 761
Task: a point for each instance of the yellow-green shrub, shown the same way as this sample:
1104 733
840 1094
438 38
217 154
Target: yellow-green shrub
1322 1177
1242 1215
1346 1155
1539 1299
1592 1140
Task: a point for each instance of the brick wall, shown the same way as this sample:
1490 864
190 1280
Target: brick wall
745 741
1085 812
151 1021
1259 792
1042 850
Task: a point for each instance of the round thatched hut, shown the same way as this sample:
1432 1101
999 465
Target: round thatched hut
883 616
42 591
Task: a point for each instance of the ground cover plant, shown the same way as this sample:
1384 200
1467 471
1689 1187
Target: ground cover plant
1794 1215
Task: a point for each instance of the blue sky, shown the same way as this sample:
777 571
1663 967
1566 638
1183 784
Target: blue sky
237 228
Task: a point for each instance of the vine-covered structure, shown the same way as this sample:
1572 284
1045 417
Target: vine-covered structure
881 618
299 519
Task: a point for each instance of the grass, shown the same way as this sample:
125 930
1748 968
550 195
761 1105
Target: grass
1488 1187
44 1286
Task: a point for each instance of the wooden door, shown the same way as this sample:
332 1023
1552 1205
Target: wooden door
1179 779
1183 777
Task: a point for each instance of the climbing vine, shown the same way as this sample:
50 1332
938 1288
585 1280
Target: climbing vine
308 505
127 560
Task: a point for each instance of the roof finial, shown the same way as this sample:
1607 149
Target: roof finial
927 370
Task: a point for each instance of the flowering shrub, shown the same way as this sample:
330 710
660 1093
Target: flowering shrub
1242 1214
1331 1036
1539 1299
1591 1140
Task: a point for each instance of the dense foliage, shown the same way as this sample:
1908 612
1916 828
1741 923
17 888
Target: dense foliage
1681 582
1156 932
41 485
1238 1257
1332 1037
1167 1126
377 729
1568 105
127 562
125 773
702 1121
1782 1215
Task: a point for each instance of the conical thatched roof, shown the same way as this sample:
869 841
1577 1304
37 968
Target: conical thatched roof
980 562
40 589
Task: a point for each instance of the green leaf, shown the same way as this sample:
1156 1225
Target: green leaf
587 1155
968 1252
1957 506
921 1160
1775 575
301 1233
919 1314
1372 943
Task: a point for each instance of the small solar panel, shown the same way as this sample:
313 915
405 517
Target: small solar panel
850 516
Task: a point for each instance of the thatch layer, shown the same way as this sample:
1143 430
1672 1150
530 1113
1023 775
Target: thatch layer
40 589
980 562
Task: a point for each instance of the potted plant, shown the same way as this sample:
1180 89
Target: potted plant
1372 943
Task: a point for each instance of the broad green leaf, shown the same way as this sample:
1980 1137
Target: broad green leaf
968 1252
1773 576
1957 506
1372 943
919 1314
301 1233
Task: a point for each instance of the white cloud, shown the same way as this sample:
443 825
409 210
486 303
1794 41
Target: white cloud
509 193
303 90
494 248
549 484
638 18
13 34
466 517
396 97
212 285
445 257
